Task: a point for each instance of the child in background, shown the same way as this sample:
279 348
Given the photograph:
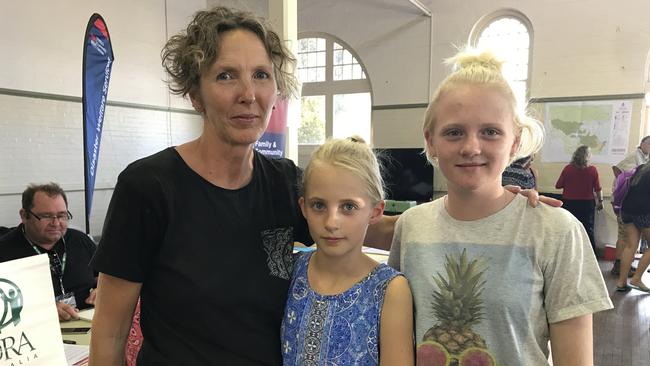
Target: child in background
492 278
343 307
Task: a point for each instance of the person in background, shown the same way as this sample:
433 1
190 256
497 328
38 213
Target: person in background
635 215
635 158
639 156
343 307
520 173
44 229
579 182
493 279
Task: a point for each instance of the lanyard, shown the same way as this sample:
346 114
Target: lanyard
62 262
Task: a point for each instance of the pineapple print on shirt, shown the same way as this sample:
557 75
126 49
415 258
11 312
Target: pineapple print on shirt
458 306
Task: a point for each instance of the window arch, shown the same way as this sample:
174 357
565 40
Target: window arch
509 34
336 94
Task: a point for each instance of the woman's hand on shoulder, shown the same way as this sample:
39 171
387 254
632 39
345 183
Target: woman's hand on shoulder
533 196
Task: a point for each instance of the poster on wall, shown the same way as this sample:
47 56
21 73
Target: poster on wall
30 334
272 141
96 73
604 126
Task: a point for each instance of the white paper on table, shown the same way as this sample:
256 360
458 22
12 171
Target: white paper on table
86 314
76 355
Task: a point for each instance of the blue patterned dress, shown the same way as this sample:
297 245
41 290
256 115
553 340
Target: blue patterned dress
333 330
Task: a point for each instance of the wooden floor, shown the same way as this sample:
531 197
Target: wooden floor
621 334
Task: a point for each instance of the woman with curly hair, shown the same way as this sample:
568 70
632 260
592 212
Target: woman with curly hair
580 184
203 232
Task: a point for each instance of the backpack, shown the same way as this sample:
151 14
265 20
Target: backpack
621 186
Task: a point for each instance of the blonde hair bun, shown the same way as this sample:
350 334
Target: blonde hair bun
475 58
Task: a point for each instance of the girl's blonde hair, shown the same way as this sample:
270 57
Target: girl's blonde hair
475 67
353 155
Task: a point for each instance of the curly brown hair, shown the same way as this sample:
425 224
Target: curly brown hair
580 158
188 54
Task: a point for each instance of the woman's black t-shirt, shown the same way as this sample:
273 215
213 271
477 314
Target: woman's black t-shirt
214 263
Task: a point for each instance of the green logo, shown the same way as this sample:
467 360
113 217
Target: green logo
11 300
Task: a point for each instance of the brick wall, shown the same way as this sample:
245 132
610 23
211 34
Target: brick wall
42 142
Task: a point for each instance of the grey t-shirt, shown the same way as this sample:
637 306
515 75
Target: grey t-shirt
529 267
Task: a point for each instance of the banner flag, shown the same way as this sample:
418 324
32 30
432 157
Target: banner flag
97 63
272 141
30 334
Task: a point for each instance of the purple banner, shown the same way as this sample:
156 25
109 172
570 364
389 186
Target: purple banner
96 73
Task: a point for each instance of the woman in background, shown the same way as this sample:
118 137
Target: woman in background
579 183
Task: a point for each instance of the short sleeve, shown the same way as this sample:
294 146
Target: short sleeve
134 226
573 284
597 187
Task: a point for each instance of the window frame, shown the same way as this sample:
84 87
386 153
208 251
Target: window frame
331 87
484 22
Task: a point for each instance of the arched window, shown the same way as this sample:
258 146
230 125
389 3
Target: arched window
508 34
336 100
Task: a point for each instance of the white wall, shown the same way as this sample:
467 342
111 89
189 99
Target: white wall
580 47
391 38
41 138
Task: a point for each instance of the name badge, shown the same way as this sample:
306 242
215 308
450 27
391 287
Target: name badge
67 298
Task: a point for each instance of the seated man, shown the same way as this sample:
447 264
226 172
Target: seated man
44 229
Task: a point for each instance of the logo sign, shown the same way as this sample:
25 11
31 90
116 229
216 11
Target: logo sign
11 299
272 141
96 72
30 334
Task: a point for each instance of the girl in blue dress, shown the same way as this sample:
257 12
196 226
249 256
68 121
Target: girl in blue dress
343 307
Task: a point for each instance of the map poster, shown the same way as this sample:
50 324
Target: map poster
604 126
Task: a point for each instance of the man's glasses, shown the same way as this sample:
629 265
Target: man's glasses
62 217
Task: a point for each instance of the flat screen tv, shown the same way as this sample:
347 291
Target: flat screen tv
407 174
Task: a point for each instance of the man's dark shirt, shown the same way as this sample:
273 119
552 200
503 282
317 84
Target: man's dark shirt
78 277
